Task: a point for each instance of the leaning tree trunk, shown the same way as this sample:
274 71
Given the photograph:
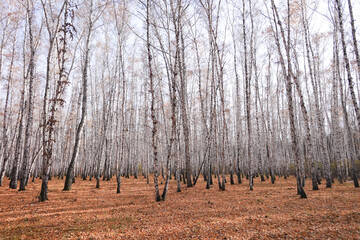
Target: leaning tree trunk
176 19
5 118
30 101
353 33
288 83
309 152
14 170
351 84
62 81
70 170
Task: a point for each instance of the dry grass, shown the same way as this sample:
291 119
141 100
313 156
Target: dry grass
270 211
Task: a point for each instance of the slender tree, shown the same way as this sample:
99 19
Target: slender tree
30 100
70 170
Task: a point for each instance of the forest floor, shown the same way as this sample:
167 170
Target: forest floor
270 211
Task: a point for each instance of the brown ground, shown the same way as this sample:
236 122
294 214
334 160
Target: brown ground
270 211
